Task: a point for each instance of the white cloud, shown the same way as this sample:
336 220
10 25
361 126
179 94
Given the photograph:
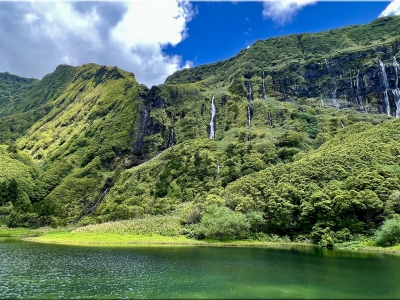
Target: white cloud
188 65
130 35
393 9
283 11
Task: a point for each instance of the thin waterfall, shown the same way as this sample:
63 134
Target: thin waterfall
359 93
351 84
341 124
386 84
396 91
249 91
248 117
333 80
170 141
218 167
212 131
263 86
335 103
327 67
269 119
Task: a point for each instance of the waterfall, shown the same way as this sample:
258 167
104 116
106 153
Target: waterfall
248 117
218 167
396 91
170 141
351 84
326 63
249 91
212 131
263 86
396 69
341 124
269 119
334 94
333 80
386 84
359 93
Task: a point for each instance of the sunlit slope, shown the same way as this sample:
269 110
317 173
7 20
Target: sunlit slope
349 183
91 123
196 168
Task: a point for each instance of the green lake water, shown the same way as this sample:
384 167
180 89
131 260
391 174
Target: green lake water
30 270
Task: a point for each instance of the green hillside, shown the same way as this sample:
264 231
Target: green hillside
90 144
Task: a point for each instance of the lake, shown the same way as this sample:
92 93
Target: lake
30 270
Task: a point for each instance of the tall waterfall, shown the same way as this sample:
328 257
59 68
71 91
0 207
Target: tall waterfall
263 86
334 99
170 141
269 119
333 80
341 124
351 84
359 94
248 117
218 168
249 91
396 91
386 84
212 131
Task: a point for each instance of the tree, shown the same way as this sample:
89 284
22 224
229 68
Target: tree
389 233
223 224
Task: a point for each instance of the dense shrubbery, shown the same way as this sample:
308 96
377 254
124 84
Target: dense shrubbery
389 233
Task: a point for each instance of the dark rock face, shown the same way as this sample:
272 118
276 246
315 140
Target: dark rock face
158 102
143 121
337 79
154 127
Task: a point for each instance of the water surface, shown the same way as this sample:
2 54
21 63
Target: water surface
30 270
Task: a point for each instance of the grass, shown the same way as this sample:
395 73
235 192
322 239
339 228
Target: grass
27 232
167 225
96 235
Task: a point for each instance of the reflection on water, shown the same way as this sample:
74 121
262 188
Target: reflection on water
47 271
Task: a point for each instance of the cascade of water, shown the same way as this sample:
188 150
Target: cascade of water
263 85
396 91
341 124
335 103
327 67
212 131
386 84
249 91
351 84
218 167
281 84
170 141
359 93
396 69
333 80
248 117
269 119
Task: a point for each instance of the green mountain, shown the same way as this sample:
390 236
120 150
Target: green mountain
290 137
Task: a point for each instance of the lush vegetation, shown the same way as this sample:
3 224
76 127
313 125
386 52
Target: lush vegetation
90 146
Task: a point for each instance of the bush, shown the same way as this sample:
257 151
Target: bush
223 224
389 233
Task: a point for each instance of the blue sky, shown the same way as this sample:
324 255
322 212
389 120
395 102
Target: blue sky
154 38
221 29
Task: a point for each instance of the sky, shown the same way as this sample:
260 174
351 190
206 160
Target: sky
154 38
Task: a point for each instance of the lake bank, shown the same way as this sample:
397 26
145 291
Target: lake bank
72 237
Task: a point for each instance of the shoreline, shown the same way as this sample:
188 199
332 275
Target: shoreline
68 237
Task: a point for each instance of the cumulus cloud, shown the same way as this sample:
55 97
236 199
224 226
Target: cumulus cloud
393 9
35 37
283 11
